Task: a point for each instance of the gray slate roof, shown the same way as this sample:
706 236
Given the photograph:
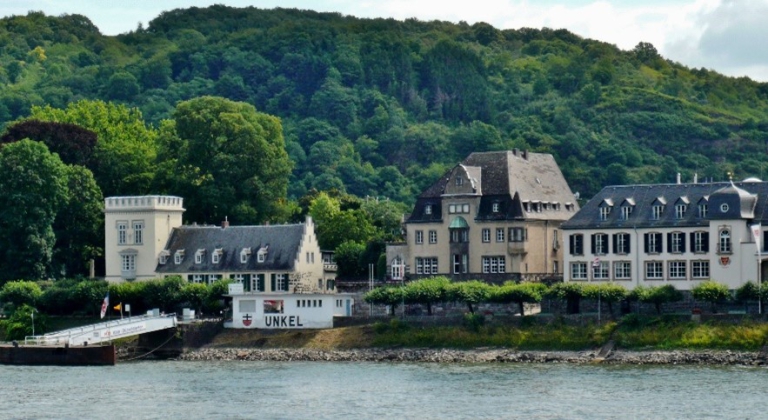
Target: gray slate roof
745 200
504 176
283 242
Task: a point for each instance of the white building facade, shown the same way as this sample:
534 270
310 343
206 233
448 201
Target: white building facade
680 234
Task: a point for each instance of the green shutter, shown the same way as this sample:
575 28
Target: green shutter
274 282
260 282
189 278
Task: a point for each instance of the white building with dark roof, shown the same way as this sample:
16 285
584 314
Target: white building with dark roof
495 216
680 234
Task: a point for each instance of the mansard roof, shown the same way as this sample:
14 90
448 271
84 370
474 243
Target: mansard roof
747 201
504 175
281 241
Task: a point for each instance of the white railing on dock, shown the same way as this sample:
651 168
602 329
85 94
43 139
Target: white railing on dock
104 331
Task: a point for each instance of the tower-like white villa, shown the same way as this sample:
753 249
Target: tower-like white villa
136 230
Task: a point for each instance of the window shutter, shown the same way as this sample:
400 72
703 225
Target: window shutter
669 242
260 282
615 243
592 243
682 242
627 244
705 241
525 234
273 282
693 240
645 240
285 284
571 244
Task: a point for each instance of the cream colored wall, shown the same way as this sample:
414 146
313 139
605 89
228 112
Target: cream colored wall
309 245
539 257
159 214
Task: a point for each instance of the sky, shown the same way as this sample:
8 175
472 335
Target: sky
727 36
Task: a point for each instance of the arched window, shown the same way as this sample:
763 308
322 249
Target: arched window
725 240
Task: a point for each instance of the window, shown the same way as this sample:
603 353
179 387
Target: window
700 269
654 270
555 267
138 232
307 257
621 243
494 264
163 257
676 242
261 256
419 236
653 243
578 271
604 212
680 211
725 241
216 255
397 268
576 242
724 208
122 233
465 208
703 210
459 235
459 180
599 244
128 262
518 234
244 255
281 282
458 208
199 256
426 265
198 278
600 271
178 257
257 282
460 263
677 270
428 209
622 270
486 235
499 234
433 236
656 211
700 242
625 212
495 207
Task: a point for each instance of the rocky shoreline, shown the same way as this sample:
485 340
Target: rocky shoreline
677 357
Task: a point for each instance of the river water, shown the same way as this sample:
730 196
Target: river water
325 390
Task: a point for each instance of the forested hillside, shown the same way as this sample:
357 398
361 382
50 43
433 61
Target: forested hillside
383 107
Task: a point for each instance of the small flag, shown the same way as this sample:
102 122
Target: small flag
119 306
105 305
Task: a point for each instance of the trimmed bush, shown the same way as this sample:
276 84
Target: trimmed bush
520 293
656 295
569 292
469 292
711 292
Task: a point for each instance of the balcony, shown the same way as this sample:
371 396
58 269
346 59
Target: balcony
330 267
517 248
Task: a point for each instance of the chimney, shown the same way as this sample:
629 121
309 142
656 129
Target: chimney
514 151
695 178
524 154
678 177
225 223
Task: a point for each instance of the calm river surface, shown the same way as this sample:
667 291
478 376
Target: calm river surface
320 390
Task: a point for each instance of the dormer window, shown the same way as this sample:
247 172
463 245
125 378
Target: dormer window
569 206
656 211
163 258
495 207
605 208
459 180
626 211
244 254
178 257
216 255
428 209
199 255
680 210
703 210
261 256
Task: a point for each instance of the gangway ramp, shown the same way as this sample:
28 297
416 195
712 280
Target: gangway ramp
105 331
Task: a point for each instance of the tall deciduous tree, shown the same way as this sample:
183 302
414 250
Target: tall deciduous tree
33 188
226 159
125 150
72 143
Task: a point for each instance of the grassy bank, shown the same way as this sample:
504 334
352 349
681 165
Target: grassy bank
630 333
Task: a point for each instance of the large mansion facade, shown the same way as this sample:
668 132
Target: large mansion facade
495 216
680 234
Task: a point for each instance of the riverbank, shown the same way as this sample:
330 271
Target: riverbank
677 357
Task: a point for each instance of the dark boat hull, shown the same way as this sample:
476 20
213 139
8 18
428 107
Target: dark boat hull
59 356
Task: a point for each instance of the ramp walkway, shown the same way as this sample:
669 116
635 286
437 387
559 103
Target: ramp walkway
104 331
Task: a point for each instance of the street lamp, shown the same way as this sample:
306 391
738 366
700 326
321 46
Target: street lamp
33 322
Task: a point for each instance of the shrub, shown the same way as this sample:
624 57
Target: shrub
427 291
609 293
385 295
19 325
657 295
474 321
469 292
711 292
747 292
18 293
519 293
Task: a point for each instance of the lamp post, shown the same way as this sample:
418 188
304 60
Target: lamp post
33 322
595 266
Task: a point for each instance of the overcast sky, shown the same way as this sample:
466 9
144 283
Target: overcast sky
728 36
